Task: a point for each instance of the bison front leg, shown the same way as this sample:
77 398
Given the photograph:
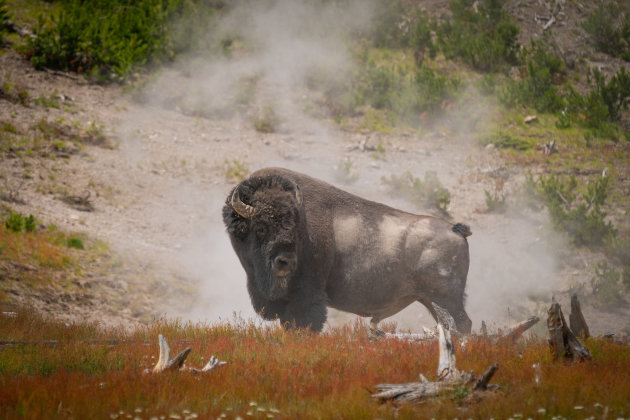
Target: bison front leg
305 311
268 309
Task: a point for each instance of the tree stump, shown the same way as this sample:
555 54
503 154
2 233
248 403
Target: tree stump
576 319
562 341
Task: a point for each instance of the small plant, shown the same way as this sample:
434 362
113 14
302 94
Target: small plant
235 171
8 128
495 202
503 140
578 213
75 242
344 172
607 286
267 122
17 222
430 192
49 101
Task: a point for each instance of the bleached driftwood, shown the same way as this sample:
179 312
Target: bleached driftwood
576 319
177 363
449 377
562 341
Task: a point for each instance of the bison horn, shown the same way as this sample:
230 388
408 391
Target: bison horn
241 208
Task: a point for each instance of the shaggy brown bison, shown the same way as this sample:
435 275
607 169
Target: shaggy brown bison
306 245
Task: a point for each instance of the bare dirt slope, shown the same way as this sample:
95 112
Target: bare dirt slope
157 198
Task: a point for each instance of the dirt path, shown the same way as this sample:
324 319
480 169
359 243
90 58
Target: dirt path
157 199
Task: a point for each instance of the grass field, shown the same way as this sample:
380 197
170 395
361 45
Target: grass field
89 372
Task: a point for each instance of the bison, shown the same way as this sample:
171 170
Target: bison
307 245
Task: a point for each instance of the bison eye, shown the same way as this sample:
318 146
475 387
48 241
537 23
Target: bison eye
261 231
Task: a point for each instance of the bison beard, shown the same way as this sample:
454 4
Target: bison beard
306 245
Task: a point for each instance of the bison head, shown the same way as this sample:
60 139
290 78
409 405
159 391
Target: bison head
262 216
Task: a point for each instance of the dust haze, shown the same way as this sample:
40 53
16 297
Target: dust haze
277 50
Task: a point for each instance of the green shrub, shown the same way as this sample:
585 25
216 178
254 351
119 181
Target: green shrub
4 16
17 222
606 285
428 193
420 38
267 121
388 29
75 242
609 30
578 213
545 70
495 202
618 248
485 39
107 38
503 140
615 94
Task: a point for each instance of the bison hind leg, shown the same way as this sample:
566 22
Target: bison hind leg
454 308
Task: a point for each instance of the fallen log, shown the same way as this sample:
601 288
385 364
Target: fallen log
449 377
562 341
512 333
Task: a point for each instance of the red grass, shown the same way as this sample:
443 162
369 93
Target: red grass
295 374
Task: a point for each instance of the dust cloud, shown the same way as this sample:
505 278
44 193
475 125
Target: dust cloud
289 45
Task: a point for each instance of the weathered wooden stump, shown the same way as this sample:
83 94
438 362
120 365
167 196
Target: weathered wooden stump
562 341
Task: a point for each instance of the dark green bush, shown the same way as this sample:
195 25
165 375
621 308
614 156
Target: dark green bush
485 39
545 71
579 213
75 242
609 30
389 28
17 222
107 38
4 16
615 94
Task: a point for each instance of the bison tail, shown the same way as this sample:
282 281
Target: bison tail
462 230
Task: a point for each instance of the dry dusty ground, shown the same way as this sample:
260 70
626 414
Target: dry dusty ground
157 198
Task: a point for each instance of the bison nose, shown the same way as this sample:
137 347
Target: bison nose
284 262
